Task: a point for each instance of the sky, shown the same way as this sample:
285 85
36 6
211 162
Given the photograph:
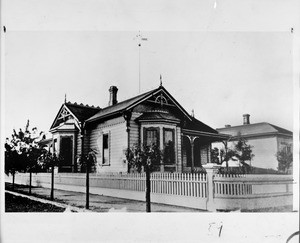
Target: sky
219 75
221 60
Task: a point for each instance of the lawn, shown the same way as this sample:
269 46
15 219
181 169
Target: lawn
21 204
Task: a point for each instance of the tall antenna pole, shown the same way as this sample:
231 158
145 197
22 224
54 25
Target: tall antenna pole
140 39
139 63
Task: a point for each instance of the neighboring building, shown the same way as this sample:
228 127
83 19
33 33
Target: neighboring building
265 138
151 117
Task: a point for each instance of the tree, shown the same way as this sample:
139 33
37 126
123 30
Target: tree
22 152
12 161
147 158
240 151
285 160
87 163
214 153
50 160
243 151
226 154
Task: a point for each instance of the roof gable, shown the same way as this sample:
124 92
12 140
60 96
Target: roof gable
159 95
73 111
82 112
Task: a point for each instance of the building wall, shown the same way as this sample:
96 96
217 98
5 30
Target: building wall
134 129
78 150
116 130
179 149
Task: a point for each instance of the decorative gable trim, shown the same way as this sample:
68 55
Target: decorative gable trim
64 112
164 97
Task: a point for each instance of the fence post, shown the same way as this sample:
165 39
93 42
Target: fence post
211 170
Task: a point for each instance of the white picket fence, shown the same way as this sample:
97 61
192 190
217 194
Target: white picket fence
231 184
247 184
209 191
191 185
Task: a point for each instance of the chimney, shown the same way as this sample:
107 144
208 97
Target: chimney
113 95
246 119
227 126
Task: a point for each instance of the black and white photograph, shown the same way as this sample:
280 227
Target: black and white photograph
149 121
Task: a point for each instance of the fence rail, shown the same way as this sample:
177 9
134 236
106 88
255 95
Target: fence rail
209 191
241 185
192 185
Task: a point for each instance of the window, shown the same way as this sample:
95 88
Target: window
151 136
169 146
55 146
105 159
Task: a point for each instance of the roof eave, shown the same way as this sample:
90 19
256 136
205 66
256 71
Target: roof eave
159 120
205 134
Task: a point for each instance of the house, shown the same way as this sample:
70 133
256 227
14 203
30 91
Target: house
152 117
266 140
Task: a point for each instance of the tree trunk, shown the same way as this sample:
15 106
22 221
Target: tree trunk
87 185
30 179
148 189
13 181
52 183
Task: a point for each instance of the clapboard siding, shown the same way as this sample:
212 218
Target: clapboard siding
78 139
179 155
116 129
78 151
134 129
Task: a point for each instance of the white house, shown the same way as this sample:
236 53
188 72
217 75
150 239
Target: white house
265 138
151 117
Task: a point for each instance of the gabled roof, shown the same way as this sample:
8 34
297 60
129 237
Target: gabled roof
79 112
82 112
256 129
132 102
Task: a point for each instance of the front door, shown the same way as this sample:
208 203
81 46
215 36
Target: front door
66 153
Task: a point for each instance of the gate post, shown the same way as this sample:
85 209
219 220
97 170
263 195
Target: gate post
211 170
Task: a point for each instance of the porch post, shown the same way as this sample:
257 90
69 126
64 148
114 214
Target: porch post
192 139
192 153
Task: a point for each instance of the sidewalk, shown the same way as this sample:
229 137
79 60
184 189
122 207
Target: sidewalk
98 203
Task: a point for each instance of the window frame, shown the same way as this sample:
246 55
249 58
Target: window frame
146 129
165 129
108 150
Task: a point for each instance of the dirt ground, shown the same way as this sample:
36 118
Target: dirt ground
20 204
98 203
